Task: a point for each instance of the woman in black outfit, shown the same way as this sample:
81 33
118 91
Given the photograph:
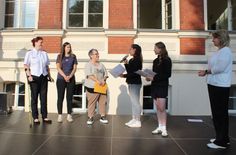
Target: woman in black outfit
159 87
134 83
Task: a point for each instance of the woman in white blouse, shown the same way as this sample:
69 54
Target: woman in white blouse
36 64
219 74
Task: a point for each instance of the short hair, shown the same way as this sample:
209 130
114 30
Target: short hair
91 52
223 36
36 39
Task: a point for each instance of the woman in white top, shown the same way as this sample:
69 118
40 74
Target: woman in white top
36 64
219 74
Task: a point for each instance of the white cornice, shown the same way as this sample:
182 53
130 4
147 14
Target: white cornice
49 32
123 33
195 34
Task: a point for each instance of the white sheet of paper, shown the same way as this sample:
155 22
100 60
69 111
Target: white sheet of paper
150 72
146 73
195 120
117 70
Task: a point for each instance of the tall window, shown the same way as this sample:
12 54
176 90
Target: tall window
79 103
221 14
155 14
20 13
85 13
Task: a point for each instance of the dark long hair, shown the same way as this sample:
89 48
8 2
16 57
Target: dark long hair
36 39
62 54
163 53
138 52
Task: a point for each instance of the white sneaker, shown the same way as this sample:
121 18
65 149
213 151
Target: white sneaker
59 119
164 133
213 139
103 120
90 121
130 122
157 131
135 124
69 118
214 146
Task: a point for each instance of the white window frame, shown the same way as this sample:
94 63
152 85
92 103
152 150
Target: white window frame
83 109
20 17
85 19
229 13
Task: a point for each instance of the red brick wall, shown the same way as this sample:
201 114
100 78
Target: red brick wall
121 14
50 14
192 46
191 15
52 44
119 45
192 18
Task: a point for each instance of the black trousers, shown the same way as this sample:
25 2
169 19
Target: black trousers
39 87
61 86
219 97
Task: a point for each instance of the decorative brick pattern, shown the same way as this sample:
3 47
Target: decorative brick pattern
50 14
119 45
192 46
191 15
121 14
52 44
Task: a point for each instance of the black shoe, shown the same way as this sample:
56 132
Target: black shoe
213 140
90 121
46 120
36 121
103 120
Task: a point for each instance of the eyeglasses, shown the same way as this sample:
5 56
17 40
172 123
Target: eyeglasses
95 54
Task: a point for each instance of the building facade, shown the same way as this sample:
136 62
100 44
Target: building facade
111 26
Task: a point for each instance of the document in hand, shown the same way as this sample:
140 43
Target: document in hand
146 73
117 70
100 89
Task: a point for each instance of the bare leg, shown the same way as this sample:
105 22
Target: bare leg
161 111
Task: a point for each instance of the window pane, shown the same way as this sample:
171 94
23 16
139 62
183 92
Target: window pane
233 14
9 21
76 21
150 14
232 98
28 21
169 22
11 10
21 101
10 7
28 14
77 98
95 20
168 14
217 14
95 6
76 6
22 88
23 18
